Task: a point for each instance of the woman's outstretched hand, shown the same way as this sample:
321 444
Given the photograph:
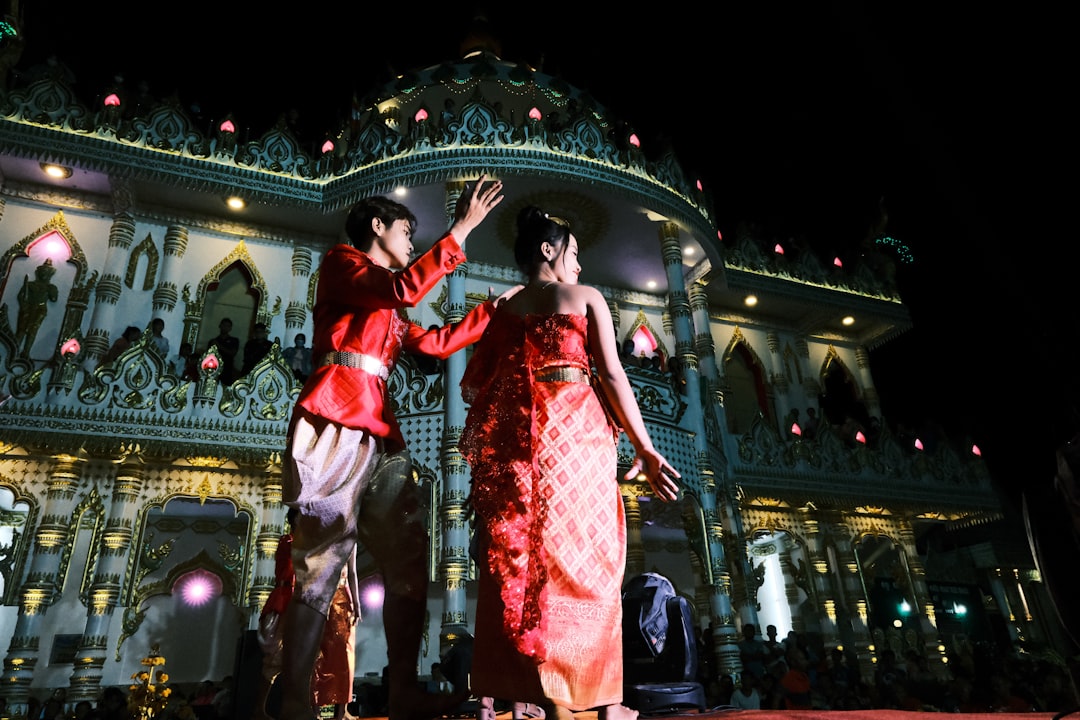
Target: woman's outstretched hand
658 471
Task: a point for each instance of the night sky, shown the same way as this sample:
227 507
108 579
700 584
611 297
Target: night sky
803 118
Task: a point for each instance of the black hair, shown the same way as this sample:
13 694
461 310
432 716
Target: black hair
132 331
534 228
358 224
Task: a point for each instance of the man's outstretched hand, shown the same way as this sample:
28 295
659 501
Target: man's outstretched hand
476 201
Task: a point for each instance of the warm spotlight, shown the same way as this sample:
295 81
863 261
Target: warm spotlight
56 171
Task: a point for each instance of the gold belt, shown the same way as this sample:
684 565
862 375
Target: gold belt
368 363
562 373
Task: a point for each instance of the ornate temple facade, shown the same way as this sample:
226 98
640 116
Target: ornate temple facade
140 503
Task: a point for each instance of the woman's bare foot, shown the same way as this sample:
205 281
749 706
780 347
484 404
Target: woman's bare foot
616 712
556 712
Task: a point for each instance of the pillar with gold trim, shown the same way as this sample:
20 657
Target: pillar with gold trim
701 481
104 593
455 562
42 581
107 293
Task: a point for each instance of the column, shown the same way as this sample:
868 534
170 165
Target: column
107 294
455 561
271 527
818 579
108 579
296 314
927 618
997 589
852 588
870 395
781 382
635 546
700 481
166 294
37 593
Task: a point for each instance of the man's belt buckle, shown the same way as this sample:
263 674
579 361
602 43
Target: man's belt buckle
368 363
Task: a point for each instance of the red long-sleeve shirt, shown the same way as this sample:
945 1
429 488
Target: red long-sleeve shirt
358 307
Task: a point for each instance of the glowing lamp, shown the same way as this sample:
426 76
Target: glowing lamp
227 126
859 437
719 236
327 146
838 262
795 429
70 348
634 140
779 249
210 363
111 100
198 587
918 444
535 114
976 451
698 183
372 594
421 115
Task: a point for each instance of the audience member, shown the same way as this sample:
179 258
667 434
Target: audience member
298 357
746 696
794 686
256 348
161 343
130 337
228 347
752 652
185 365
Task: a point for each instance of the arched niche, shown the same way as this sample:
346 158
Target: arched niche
233 288
17 515
746 389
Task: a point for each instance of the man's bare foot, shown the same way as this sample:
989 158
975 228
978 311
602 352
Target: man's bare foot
616 712
527 711
485 708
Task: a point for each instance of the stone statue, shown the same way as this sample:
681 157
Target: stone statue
34 298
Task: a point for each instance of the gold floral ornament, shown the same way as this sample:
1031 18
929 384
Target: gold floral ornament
148 695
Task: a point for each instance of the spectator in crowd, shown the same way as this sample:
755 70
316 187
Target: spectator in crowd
298 357
161 343
129 338
256 348
228 347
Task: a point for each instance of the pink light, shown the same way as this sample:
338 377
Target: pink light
210 363
535 114
795 429
779 249
918 444
227 126
976 451
837 262
56 247
859 437
634 140
699 186
421 115
373 593
71 347
112 100
328 146
719 236
198 587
